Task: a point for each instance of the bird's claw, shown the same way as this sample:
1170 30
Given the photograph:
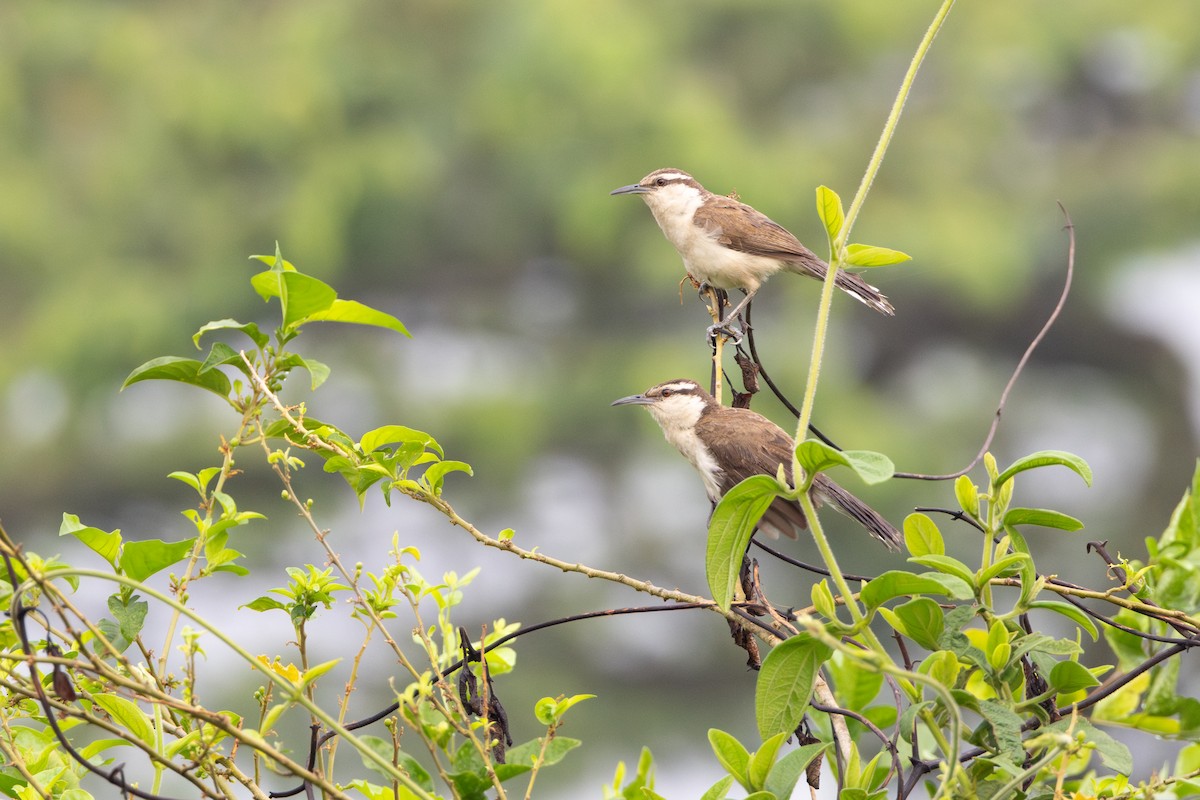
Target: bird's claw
727 331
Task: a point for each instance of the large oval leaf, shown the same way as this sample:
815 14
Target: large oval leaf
729 533
785 683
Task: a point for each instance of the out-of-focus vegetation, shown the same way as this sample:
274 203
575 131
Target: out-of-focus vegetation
451 162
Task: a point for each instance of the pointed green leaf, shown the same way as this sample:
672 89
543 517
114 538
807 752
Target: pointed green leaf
865 255
829 209
763 760
1047 458
219 355
815 456
264 603
436 473
786 774
397 434
870 466
1041 516
898 583
351 311
105 544
127 714
1070 612
183 370
731 754
249 328
140 560
785 683
729 531
947 565
1010 563
1071 676
719 790
967 495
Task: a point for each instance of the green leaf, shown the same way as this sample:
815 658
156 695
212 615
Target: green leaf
1071 676
356 313
106 544
318 372
436 473
732 755
922 537
127 714
718 790
1010 563
924 621
816 456
783 778
1047 458
307 299
140 560
829 209
947 565
729 531
249 328
1041 516
856 687
870 466
822 599
221 354
943 667
967 495
897 583
397 434
264 603
763 760
785 683
550 710
866 255
183 370
130 616
1070 612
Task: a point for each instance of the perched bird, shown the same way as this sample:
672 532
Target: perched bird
727 445
726 244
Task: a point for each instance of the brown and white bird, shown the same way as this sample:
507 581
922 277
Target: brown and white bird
727 445
729 245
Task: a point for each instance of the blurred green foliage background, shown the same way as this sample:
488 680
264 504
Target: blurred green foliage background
450 162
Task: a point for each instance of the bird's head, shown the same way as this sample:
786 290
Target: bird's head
667 190
673 404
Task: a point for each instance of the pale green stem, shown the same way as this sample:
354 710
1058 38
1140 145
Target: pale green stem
885 138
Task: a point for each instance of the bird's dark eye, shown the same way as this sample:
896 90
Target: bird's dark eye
661 182
666 393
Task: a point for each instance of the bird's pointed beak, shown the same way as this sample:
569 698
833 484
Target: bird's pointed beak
633 188
634 400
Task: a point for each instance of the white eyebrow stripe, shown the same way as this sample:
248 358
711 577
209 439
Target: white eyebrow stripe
672 176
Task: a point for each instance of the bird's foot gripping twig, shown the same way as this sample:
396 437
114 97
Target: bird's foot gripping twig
726 330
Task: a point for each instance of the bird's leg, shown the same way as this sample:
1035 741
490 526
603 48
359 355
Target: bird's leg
715 300
725 328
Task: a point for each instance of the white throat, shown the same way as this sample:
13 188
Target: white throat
677 416
674 206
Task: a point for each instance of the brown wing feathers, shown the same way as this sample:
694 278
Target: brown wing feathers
743 441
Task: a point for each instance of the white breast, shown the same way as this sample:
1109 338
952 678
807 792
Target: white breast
677 418
705 259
